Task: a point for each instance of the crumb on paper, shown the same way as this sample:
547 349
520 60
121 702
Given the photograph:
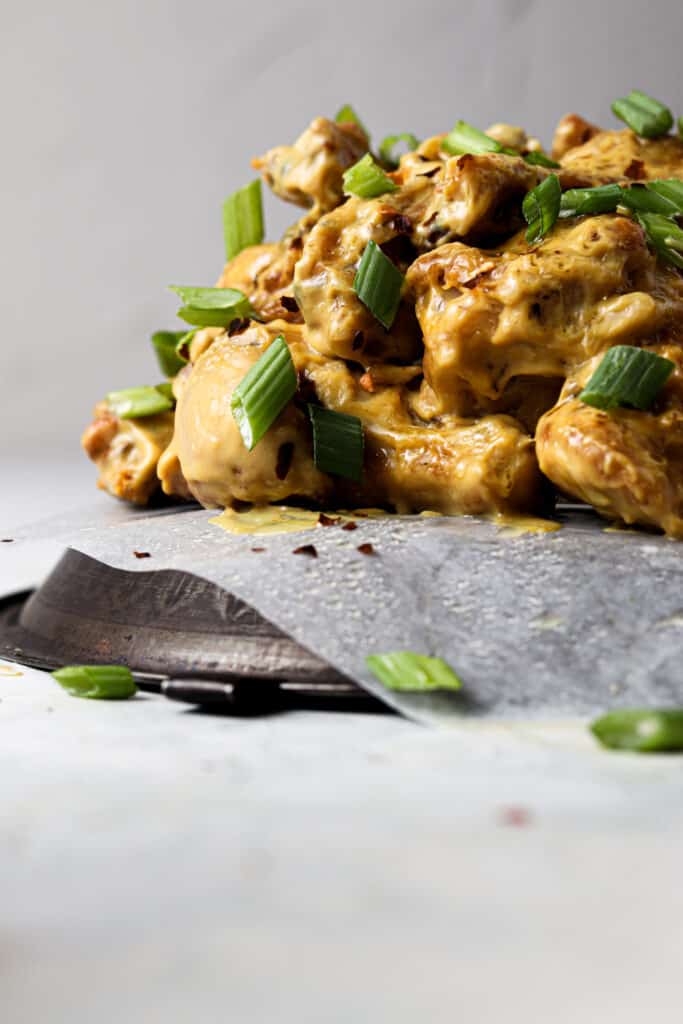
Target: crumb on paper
142 554
306 549
366 549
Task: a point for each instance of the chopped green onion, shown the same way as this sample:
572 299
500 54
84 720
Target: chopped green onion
337 442
413 673
166 389
243 219
378 284
643 199
183 346
538 159
627 376
388 146
100 682
680 127
134 403
643 115
347 115
541 207
670 189
366 180
578 202
642 730
212 307
165 345
464 138
664 236
264 391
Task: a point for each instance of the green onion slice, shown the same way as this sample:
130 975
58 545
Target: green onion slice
183 346
541 208
578 202
387 147
465 138
212 307
680 127
627 376
134 403
366 180
378 283
99 682
643 115
171 360
640 729
664 236
264 391
538 159
243 219
347 115
413 673
166 389
643 199
670 189
337 442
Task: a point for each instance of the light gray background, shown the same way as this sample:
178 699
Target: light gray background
124 125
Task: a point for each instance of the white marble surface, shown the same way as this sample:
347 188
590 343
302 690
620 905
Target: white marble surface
161 865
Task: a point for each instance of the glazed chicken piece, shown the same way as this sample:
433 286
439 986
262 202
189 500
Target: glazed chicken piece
624 156
126 452
309 173
572 131
457 465
626 463
537 310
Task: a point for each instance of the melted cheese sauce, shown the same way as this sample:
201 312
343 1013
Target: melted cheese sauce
7 671
510 525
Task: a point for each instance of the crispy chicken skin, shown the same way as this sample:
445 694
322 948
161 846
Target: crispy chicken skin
309 173
626 463
469 402
126 452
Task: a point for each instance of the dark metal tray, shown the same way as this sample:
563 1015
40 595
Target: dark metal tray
180 635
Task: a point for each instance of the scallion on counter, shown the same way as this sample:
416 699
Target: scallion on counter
378 283
643 114
387 147
135 403
165 343
212 307
643 730
541 208
264 391
366 180
337 442
412 673
243 219
627 376
98 682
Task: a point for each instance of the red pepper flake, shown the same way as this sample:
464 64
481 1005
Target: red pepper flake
350 525
366 549
258 549
635 170
238 325
289 303
306 549
285 454
142 554
367 383
516 817
324 520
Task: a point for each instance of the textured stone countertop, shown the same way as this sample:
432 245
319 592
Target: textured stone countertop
160 864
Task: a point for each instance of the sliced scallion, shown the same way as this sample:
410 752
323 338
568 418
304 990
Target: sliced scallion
165 345
664 236
643 114
366 180
387 147
538 159
670 189
541 208
643 199
212 307
166 389
183 346
134 403
578 202
627 376
643 730
263 392
465 138
378 283
243 219
98 682
347 115
413 673
337 442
